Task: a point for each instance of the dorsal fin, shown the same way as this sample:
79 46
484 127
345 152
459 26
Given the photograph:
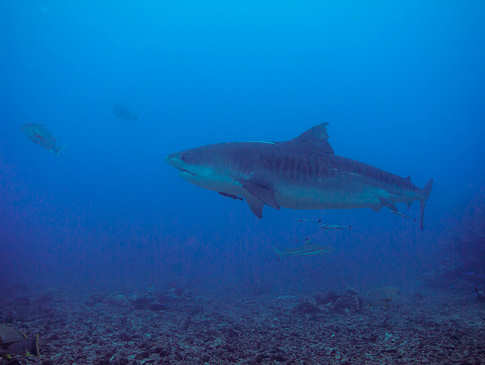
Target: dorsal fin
316 138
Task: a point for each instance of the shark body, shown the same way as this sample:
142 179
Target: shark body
302 173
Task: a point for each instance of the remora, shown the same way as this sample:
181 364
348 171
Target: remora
302 173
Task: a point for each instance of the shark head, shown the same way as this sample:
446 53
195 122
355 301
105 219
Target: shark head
204 166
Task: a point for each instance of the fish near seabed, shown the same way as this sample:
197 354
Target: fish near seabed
308 249
335 227
304 251
40 135
302 173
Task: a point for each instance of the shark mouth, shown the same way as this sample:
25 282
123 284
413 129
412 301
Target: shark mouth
186 171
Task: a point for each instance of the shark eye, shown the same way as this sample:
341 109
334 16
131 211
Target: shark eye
189 157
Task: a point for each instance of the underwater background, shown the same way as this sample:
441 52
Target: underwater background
401 85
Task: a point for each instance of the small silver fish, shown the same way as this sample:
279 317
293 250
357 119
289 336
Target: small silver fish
308 249
310 220
403 215
334 227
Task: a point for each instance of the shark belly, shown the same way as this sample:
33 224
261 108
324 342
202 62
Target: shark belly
332 194
220 183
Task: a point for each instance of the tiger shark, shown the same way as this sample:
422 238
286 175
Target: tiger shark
301 173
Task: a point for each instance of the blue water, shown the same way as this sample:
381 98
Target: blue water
400 83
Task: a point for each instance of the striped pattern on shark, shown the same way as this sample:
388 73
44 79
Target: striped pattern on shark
302 173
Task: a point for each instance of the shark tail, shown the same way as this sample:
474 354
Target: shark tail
424 198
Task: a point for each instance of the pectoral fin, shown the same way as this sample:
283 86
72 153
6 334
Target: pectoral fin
262 192
255 205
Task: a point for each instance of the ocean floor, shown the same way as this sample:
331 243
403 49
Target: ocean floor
175 327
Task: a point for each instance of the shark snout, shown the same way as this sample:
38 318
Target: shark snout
173 159
176 160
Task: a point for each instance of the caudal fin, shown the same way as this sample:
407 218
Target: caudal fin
424 198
